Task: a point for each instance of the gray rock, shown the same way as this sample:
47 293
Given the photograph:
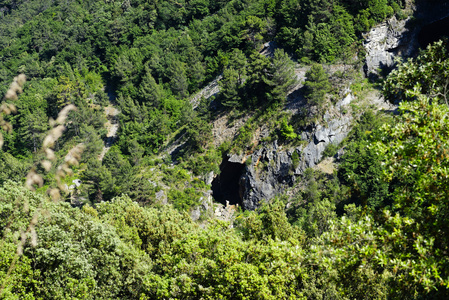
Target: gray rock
161 197
269 174
272 169
304 136
204 205
209 178
383 42
218 212
321 134
312 154
236 158
195 214
346 100
77 182
206 200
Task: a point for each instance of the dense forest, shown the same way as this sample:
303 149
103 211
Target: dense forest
81 214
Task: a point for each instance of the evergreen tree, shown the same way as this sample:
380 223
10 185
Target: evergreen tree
197 76
229 85
317 85
280 76
178 82
149 91
238 62
255 87
33 127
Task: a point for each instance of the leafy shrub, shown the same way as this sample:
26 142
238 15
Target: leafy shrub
331 150
287 132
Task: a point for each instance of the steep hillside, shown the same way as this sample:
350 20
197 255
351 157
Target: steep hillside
236 149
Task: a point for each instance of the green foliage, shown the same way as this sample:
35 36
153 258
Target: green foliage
310 209
410 177
271 222
229 85
331 150
287 131
200 134
149 91
428 74
317 85
416 156
245 136
12 168
326 31
149 56
295 160
183 200
280 77
267 83
76 256
360 169
255 86
152 253
205 163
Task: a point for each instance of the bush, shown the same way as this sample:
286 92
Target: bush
287 132
331 150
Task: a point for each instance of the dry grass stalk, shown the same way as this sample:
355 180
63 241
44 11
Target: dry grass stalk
72 159
15 88
33 178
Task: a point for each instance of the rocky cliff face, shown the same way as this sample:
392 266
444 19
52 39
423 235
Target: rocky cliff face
274 168
386 41
397 38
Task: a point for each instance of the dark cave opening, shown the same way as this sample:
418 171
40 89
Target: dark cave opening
433 32
226 186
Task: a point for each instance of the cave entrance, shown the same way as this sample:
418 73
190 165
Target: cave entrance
226 185
433 32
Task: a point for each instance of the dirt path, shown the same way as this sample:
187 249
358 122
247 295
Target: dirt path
112 126
208 91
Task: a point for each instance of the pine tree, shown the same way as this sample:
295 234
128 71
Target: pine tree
317 85
280 77
178 82
238 62
149 91
229 88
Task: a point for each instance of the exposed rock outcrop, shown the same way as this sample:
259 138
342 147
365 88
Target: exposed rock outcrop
269 174
386 41
208 91
394 38
274 169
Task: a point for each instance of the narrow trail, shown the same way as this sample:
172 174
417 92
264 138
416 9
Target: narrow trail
112 125
206 92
